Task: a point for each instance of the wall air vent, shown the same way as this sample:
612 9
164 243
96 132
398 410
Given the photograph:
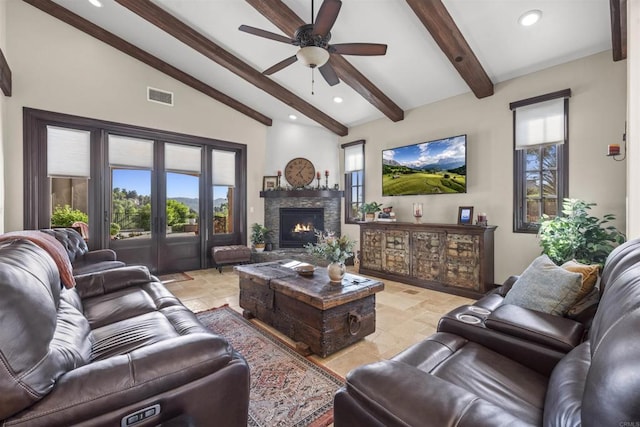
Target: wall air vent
160 96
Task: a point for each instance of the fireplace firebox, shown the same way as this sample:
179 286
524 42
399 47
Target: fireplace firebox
299 225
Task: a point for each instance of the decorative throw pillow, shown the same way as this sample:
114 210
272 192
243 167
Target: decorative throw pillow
589 276
545 287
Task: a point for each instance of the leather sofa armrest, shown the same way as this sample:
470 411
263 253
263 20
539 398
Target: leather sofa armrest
103 282
397 394
120 381
99 255
551 331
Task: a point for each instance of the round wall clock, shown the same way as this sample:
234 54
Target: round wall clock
299 172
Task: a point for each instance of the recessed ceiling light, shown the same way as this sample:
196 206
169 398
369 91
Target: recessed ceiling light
96 3
529 18
293 116
337 99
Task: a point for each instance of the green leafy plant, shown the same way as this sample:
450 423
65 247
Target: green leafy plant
64 216
259 233
114 229
577 235
369 208
331 248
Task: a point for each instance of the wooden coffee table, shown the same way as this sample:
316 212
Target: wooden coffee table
322 317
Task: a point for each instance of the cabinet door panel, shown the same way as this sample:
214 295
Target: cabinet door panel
371 249
395 258
428 255
462 266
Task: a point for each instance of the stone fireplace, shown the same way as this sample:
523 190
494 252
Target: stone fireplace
319 208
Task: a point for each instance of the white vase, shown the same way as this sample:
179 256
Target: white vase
336 272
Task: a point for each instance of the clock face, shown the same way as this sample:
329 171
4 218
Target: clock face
299 172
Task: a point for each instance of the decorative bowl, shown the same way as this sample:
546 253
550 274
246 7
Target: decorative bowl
305 270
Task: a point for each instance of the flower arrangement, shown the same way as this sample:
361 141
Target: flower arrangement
331 248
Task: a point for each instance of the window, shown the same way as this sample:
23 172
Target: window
353 179
541 158
224 182
68 168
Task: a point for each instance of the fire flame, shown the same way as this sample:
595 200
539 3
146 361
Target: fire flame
300 228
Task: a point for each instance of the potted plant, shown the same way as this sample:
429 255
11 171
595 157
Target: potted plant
369 210
335 250
577 235
258 235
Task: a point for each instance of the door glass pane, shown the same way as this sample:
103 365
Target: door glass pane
183 204
130 204
222 209
183 165
69 203
224 180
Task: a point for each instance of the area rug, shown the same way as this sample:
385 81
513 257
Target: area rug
286 389
175 277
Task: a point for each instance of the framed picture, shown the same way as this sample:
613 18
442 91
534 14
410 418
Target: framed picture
269 183
465 215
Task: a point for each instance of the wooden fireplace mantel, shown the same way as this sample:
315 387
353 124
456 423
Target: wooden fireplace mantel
329 194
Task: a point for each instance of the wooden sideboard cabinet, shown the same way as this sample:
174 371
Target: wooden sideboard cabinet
446 257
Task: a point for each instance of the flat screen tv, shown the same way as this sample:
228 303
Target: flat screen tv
433 167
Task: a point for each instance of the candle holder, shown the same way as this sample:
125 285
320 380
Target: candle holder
417 212
318 179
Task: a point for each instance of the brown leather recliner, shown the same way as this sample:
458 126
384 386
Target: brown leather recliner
450 380
118 349
82 259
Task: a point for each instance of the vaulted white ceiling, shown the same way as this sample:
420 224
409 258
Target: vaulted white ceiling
414 71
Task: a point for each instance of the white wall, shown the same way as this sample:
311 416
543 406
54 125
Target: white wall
3 46
290 140
633 118
596 118
58 68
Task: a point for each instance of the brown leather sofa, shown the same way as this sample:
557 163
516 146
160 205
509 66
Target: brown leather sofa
480 380
82 259
117 350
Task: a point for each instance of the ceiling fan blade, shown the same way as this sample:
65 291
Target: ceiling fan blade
329 74
327 16
265 34
365 49
280 65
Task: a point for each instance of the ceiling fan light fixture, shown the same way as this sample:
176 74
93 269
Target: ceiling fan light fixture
530 17
312 56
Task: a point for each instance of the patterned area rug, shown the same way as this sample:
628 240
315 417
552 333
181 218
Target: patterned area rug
286 389
175 277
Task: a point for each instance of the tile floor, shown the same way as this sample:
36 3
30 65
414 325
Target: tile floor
405 314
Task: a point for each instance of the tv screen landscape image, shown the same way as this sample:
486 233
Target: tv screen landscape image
433 167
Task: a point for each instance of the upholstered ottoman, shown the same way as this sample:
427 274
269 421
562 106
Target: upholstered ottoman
234 254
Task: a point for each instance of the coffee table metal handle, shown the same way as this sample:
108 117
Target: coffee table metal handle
354 323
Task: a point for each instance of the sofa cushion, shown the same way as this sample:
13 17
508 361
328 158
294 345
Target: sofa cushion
545 287
42 337
589 276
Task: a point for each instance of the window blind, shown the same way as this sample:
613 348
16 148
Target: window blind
224 168
68 152
182 158
540 124
353 158
130 152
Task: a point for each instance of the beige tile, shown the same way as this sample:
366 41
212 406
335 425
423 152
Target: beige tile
405 315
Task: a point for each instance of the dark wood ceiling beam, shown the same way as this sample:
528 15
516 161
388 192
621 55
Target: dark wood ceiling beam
5 75
287 21
112 40
187 35
445 32
618 29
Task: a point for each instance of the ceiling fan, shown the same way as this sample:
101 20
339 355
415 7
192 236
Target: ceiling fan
313 40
